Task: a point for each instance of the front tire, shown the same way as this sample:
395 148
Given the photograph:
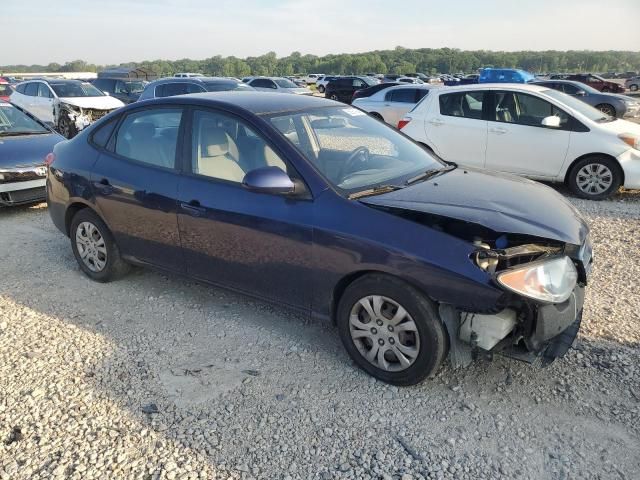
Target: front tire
334 97
321 89
607 109
94 247
595 178
633 88
391 330
66 127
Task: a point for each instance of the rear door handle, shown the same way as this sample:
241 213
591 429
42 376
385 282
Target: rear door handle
498 130
193 208
104 187
436 121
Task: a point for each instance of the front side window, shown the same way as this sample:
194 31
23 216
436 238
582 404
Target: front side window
150 136
568 88
525 109
353 151
462 104
43 91
226 148
263 83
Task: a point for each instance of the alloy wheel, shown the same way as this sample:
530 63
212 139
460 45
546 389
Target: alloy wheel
594 178
91 246
384 333
607 109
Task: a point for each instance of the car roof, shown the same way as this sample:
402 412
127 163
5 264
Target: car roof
191 80
258 103
527 87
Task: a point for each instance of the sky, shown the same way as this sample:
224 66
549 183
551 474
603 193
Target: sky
118 31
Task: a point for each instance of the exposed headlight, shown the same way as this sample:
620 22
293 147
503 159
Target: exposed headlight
551 281
630 139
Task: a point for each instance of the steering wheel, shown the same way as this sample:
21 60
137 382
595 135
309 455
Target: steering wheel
362 152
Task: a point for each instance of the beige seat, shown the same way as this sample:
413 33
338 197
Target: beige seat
273 160
216 155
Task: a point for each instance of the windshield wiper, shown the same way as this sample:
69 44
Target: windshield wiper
432 172
374 191
15 134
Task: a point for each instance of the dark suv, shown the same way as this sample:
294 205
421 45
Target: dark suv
597 82
127 91
343 88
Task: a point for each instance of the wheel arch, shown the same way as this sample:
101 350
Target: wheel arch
589 155
71 212
342 285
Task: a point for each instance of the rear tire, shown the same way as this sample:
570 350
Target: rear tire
633 88
418 334
94 247
607 109
595 178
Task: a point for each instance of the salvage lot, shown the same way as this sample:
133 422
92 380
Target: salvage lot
247 390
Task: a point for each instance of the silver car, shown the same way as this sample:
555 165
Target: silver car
391 104
277 85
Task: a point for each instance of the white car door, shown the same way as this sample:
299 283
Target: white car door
44 103
519 143
455 127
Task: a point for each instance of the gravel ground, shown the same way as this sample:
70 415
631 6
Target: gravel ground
155 377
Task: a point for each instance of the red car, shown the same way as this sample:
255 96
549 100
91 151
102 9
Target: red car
597 82
5 90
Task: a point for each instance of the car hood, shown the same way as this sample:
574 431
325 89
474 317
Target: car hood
26 150
101 103
500 202
619 126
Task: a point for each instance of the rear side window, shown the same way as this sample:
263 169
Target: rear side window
31 89
462 104
262 83
177 88
102 135
402 95
20 88
150 136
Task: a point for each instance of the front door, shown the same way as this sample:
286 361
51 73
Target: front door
519 143
135 182
253 242
456 128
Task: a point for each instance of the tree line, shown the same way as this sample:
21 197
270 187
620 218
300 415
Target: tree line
398 60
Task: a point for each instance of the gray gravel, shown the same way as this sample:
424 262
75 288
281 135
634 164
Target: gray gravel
156 377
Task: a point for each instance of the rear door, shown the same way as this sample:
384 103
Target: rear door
135 182
517 141
456 127
29 100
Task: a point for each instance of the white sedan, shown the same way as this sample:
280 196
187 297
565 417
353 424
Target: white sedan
530 131
391 104
278 85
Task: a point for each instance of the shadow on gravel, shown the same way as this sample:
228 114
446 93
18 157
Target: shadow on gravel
254 388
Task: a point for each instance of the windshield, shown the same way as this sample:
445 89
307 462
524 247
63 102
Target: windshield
135 87
226 86
285 83
352 150
13 121
76 89
588 111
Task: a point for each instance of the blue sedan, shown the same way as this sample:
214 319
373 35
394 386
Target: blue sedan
316 206
24 143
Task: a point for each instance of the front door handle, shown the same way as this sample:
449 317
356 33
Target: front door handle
498 130
193 208
436 121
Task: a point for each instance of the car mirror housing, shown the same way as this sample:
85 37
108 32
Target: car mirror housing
551 121
269 180
581 93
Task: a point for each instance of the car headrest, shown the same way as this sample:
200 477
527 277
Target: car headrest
215 142
142 130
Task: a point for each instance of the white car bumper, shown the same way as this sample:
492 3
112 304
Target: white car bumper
630 162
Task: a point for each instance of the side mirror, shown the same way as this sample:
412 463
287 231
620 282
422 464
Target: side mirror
269 180
552 121
581 93
106 93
